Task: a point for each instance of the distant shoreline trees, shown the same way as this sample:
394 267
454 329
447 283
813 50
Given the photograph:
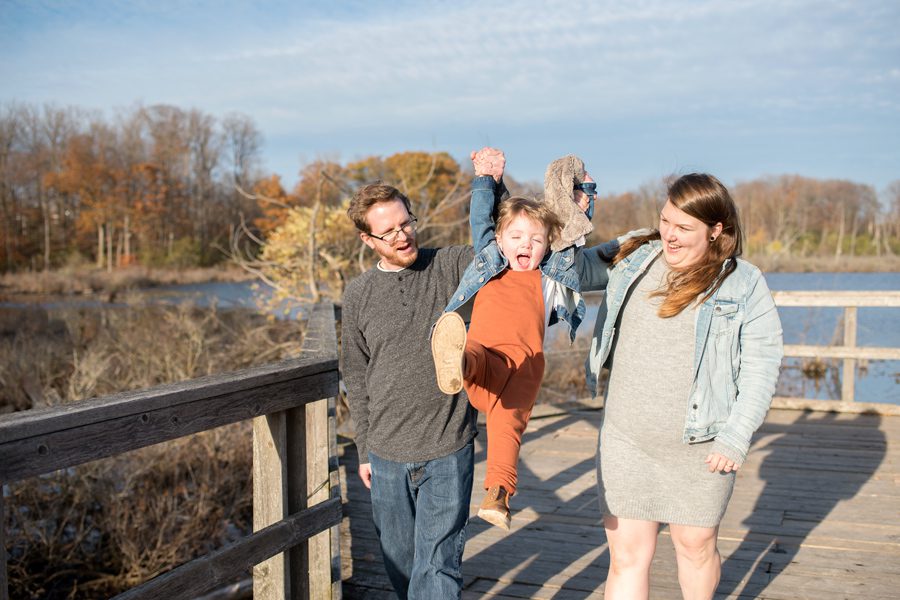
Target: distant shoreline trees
155 185
787 215
163 186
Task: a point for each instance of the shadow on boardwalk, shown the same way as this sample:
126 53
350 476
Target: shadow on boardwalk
810 467
814 513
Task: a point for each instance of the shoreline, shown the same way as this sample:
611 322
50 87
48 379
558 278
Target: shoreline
826 264
93 283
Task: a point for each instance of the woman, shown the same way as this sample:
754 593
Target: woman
693 343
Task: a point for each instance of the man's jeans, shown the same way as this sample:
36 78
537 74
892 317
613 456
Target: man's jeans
421 510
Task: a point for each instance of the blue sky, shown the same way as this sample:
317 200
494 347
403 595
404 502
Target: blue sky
638 89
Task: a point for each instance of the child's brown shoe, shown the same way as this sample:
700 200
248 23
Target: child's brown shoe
448 344
495 507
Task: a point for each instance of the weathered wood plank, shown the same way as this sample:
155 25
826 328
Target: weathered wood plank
320 336
486 588
234 561
4 582
334 473
89 440
881 298
848 380
318 489
40 421
815 508
295 461
270 493
837 406
295 451
334 491
846 352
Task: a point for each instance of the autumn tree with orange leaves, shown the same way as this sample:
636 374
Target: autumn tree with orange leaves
164 186
311 248
156 185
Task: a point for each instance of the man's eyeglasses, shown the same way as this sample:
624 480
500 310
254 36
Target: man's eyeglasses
391 236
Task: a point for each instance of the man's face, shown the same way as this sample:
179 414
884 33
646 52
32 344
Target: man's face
383 218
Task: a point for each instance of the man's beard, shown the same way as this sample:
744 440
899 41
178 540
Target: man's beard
402 259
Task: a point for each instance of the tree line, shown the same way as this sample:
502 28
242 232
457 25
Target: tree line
786 215
154 185
160 185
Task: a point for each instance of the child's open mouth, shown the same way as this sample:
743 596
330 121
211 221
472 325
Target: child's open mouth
524 260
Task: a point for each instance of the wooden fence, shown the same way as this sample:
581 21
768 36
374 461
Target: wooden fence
294 551
849 352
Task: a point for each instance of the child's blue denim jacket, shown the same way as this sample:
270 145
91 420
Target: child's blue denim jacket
489 261
737 351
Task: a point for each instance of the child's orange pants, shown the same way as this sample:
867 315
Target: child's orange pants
505 366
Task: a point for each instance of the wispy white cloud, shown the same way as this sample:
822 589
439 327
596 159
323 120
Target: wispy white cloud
442 69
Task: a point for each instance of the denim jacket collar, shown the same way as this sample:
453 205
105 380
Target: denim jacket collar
558 266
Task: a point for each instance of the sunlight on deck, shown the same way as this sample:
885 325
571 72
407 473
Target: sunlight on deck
815 513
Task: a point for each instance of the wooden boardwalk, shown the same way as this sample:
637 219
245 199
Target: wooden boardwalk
815 514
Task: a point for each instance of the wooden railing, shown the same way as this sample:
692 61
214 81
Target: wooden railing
294 551
848 351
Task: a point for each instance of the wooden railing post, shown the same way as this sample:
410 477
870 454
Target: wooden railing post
334 483
321 336
279 490
849 379
290 473
4 581
269 499
297 442
318 490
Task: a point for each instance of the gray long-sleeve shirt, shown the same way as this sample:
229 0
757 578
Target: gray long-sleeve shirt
397 409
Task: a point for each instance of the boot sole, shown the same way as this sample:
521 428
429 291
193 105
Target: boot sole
448 343
495 517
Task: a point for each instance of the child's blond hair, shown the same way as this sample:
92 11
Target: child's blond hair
514 206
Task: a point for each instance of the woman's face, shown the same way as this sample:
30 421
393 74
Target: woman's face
685 238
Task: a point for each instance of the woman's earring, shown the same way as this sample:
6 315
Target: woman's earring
712 238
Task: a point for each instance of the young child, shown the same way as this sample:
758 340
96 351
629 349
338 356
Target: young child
526 278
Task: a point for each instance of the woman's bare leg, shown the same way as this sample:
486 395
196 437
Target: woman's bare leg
699 563
631 547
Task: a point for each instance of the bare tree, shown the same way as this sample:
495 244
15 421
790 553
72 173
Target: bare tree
10 133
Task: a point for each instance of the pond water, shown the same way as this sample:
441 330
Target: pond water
877 381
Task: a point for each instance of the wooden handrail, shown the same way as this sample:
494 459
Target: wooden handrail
43 440
224 565
886 298
850 301
848 351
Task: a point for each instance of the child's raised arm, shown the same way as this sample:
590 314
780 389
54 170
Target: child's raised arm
487 191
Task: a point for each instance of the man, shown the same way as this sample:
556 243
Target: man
415 443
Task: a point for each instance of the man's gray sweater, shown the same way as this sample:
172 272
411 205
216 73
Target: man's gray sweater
397 409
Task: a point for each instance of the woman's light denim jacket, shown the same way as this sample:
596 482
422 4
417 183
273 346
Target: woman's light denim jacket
737 353
490 262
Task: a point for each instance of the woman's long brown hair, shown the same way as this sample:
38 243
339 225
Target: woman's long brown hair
703 197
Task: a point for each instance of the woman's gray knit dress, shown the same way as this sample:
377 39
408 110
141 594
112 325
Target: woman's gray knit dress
644 469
